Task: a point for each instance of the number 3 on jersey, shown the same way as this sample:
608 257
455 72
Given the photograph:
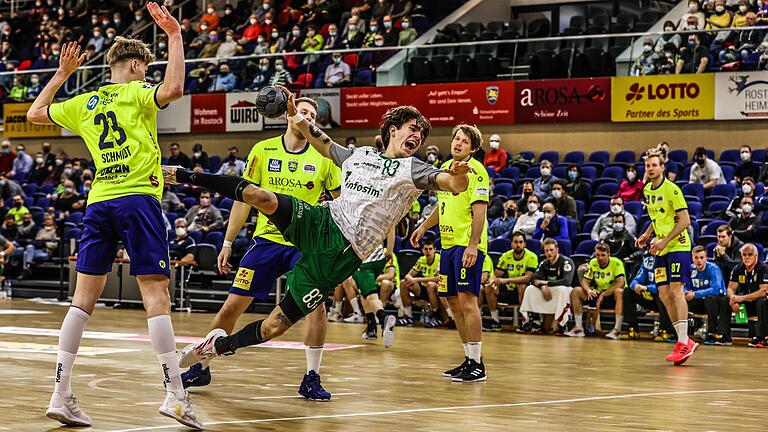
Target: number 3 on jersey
104 121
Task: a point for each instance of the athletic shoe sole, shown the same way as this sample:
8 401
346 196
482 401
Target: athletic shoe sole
181 420
459 380
63 417
388 335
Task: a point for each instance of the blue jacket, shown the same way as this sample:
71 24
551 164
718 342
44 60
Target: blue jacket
707 282
563 234
645 276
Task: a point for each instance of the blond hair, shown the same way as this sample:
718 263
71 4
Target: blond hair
129 48
306 100
472 132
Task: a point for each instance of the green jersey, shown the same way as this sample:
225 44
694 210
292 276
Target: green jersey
604 277
118 123
456 209
305 175
515 268
663 203
425 269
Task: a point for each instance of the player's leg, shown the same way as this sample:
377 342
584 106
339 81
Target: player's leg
617 297
351 289
405 298
676 272
315 327
434 302
724 321
578 297
629 303
492 297
468 285
337 312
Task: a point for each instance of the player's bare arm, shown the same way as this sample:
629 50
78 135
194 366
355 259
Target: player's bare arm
641 241
454 178
617 284
237 218
428 223
683 220
172 87
316 137
70 60
478 223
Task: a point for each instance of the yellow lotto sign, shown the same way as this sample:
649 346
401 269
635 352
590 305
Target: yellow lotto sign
663 98
17 125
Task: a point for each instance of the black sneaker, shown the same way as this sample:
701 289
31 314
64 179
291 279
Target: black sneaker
495 326
405 321
525 328
473 372
536 328
560 332
722 341
756 342
457 370
487 325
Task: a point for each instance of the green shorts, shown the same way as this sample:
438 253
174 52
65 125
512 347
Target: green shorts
327 258
365 276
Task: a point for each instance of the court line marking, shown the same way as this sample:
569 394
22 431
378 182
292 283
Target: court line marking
461 407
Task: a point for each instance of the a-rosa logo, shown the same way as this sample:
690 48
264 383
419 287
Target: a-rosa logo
663 91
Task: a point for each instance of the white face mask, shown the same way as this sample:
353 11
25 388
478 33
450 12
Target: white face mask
210 10
747 189
631 175
693 7
296 33
746 208
669 29
719 9
379 43
616 209
495 144
532 207
279 68
275 35
647 48
39 160
352 27
743 9
546 172
197 154
557 194
253 21
618 227
745 156
181 231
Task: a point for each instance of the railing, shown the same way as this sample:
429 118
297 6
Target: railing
513 55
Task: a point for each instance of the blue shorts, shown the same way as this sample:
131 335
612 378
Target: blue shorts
672 267
137 221
454 277
264 262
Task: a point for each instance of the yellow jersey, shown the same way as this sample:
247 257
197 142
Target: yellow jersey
663 203
456 209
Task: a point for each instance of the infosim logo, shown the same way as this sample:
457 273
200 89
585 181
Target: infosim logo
663 91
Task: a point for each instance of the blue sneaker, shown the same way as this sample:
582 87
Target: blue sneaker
196 376
312 389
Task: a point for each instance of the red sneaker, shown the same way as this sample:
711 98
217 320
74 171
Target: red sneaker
676 351
685 352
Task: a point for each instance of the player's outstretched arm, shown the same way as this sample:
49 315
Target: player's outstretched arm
316 137
454 178
172 87
70 60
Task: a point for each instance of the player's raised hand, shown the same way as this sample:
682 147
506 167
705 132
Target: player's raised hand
459 168
163 18
291 109
71 58
223 260
416 236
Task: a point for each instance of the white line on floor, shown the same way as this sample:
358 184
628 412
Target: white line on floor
463 407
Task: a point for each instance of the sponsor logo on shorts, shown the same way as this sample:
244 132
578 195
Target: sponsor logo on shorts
275 165
243 279
309 168
162 264
92 102
293 166
442 285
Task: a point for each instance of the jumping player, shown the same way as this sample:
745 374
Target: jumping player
464 234
118 124
284 164
377 190
672 247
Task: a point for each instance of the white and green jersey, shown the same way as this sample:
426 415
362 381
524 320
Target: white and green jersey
376 192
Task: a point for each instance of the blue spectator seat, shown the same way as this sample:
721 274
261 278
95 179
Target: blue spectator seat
635 208
625 157
215 238
533 245
614 172
29 189
72 233
728 171
528 154
43 202
172 216
679 156
510 172
606 190
75 218
506 189
580 207
552 156
573 226
533 172
599 157
599 207
716 207
588 172
491 172
197 236
500 245
189 202
560 171
586 232
565 247
29 202
759 155
574 157
711 227
693 191
694 209
226 204
730 155
213 163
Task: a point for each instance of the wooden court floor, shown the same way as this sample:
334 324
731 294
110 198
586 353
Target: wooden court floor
536 383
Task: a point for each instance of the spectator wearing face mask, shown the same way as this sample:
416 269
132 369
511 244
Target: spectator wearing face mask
295 40
551 225
230 19
745 44
694 12
620 241
353 38
262 76
433 156
199 157
18 210
10 188
39 170
34 88
705 171
719 18
6 156
746 168
407 33
281 75
210 49
646 62
631 189
503 227
604 224
224 81
338 73
370 37
313 41
232 166
22 165
428 208
211 17
740 16
542 186
250 30
276 42
67 201
204 216
182 246
228 47
746 225
747 189
332 41
526 222
564 204
668 38
496 158
97 40
694 58
391 34
577 189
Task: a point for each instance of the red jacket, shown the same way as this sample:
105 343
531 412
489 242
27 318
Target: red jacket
496 159
631 192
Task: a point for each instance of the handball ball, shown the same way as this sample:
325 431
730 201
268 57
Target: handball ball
271 102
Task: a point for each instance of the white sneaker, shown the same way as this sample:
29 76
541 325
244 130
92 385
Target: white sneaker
396 300
613 334
388 334
66 409
334 316
575 332
205 350
355 318
180 409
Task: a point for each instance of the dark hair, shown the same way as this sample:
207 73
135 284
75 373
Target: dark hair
725 228
175 144
621 215
398 116
549 241
474 134
618 197
197 147
560 182
427 242
602 247
747 146
700 151
518 234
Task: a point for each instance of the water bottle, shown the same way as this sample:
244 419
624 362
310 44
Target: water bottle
8 289
704 332
741 315
655 327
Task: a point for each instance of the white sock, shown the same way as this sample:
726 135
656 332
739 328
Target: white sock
619 321
450 313
69 342
466 350
314 355
579 318
408 311
355 306
495 315
474 350
681 328
339 307
164 343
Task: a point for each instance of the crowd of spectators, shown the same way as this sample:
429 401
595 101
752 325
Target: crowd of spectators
719 45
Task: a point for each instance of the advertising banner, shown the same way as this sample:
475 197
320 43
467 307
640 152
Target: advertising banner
17 125
209 112
443 104
563 101
176 117
328 106
741 96
663 98
242 115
